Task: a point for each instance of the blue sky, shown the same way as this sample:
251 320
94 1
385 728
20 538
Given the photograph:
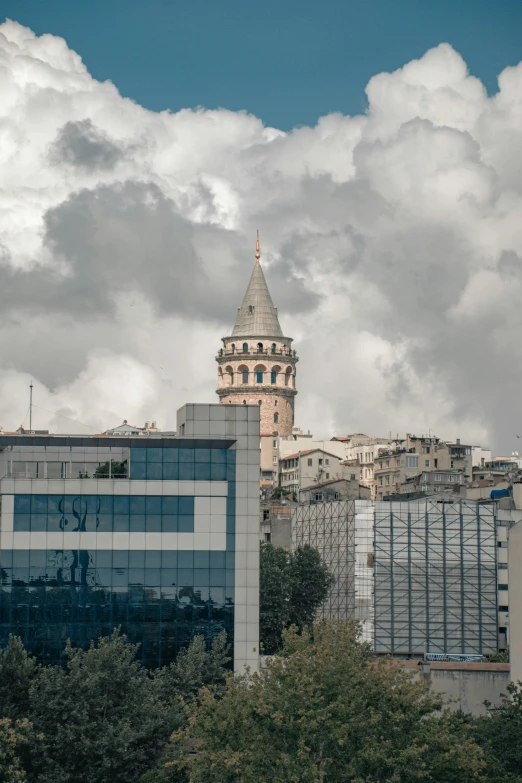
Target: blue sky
287 61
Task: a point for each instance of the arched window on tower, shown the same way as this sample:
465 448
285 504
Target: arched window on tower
260 347
244 402
245 347
243 369
274 347
233 346
273 376
288 375
260 402
229 375
276 418
259 371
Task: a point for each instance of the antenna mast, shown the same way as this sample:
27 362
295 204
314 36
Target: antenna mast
31 407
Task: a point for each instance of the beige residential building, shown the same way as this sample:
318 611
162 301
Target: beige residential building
304 468
397 464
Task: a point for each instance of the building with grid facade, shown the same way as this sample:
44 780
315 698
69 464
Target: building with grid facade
156 534
420 576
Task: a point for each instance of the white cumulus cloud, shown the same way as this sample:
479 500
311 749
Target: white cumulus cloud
392 244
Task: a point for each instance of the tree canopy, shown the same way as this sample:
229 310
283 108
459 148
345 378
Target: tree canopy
293 585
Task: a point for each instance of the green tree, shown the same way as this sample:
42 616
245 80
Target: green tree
18 671
117 470
324 711
292 587
100 717
499 733
13 737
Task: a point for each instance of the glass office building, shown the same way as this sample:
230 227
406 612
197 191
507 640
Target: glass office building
155 534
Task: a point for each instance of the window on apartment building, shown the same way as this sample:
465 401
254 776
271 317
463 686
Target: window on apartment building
502 587
353 476
412 462
435 463
387 463
326 461
387 480
276 418
327 475
502 566
310 462
502 544
274 460
275 444
426 463
266 514
437 477
320 462
337 496
318 496
503 608
425 449
452 464
268 536
398 463
380 481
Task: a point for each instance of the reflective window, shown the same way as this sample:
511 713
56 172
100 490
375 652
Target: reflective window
160 599
273 377
259 376
173 464
107 513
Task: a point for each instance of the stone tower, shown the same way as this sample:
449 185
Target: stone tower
256 363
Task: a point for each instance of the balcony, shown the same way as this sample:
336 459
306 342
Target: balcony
265 352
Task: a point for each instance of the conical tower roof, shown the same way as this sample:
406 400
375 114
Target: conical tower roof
257 316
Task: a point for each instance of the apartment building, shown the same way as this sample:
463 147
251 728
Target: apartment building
304 468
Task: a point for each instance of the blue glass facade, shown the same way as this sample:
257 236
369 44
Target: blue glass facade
161 596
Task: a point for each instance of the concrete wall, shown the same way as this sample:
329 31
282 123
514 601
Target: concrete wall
466 686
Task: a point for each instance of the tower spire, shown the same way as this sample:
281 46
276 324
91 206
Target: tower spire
258 250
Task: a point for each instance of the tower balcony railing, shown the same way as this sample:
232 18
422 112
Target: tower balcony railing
258 352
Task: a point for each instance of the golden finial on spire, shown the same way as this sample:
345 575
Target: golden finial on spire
258 251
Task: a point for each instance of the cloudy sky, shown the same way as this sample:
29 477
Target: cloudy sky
391 242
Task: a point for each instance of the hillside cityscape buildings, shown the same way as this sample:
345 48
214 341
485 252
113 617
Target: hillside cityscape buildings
159 532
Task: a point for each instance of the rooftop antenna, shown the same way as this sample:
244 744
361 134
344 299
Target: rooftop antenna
31 407
258 249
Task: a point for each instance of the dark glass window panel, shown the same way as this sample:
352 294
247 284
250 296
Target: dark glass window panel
39 504
20 558
137 523
201 559
185 577
104 523
136 558
170 455
153 576
201 576
217 594
153 523
121 523
38 557
154 470
217 559
186 455
121 504
185 504
39 522
201 455
138 470
106 504
138 455
169 504
169 577
22 522
20 576
231 473
120 558
120 577
91 523
217 576
153 558
185 524
185 559
137 576
186 471
169 559
153 504
103 576
137 504
6 558
202 471
169 523
22 504
218 456
104 558
55 504
154 455
92 503
170 471
230 559
218 472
